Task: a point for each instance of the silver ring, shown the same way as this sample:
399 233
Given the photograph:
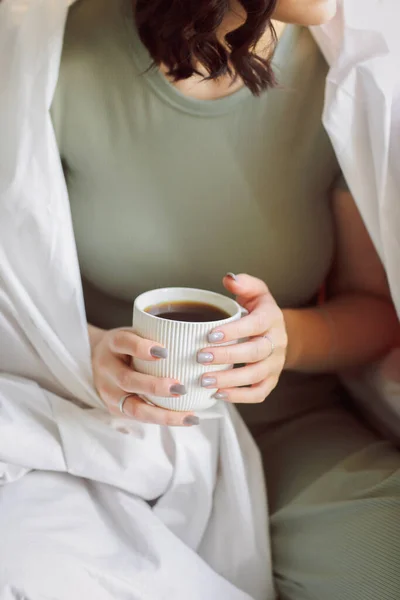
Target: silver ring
122 402
268 337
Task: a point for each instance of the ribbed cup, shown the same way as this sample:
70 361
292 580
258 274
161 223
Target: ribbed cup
183 341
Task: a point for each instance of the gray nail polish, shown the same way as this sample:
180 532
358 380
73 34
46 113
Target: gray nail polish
220 395
232 276
191 420
158 352
178 389
205 357
208 382
215 336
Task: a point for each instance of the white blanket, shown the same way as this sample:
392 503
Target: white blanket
74 515
72 538
362 117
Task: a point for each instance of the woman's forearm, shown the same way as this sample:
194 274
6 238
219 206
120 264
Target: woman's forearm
348 331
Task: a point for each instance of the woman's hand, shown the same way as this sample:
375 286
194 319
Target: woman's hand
263 354
115 379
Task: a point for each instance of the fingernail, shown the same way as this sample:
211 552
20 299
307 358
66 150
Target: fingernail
215 336
178 389
158 352
191 420
205 357
232 276
208 381
220 396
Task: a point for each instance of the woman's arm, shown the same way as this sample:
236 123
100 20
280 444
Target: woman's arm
358 322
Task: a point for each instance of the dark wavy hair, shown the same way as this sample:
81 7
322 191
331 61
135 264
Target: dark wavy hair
183 33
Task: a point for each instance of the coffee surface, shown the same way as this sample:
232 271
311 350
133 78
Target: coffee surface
194 312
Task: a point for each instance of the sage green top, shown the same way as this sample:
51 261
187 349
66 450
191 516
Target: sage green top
166 190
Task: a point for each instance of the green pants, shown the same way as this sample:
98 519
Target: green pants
334 494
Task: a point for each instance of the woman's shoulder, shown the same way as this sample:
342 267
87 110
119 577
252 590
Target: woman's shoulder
96 57
94 32
301 72
298 59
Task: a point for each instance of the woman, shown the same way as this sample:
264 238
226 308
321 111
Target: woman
198 166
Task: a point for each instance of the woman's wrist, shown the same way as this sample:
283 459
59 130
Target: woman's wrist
292 350
310 339
95 335
294 346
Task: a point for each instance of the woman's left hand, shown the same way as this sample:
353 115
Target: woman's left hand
263 354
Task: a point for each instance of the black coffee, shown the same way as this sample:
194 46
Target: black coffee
194 312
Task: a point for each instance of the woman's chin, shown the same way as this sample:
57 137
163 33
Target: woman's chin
305 12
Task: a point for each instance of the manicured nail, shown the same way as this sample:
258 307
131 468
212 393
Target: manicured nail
191 420
232 276
220 396
208 382
205 357
158 352
178 389
215 336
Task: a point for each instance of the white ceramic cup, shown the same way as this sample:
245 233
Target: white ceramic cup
183 340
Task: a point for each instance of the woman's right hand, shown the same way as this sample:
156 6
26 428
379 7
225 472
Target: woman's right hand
114 378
